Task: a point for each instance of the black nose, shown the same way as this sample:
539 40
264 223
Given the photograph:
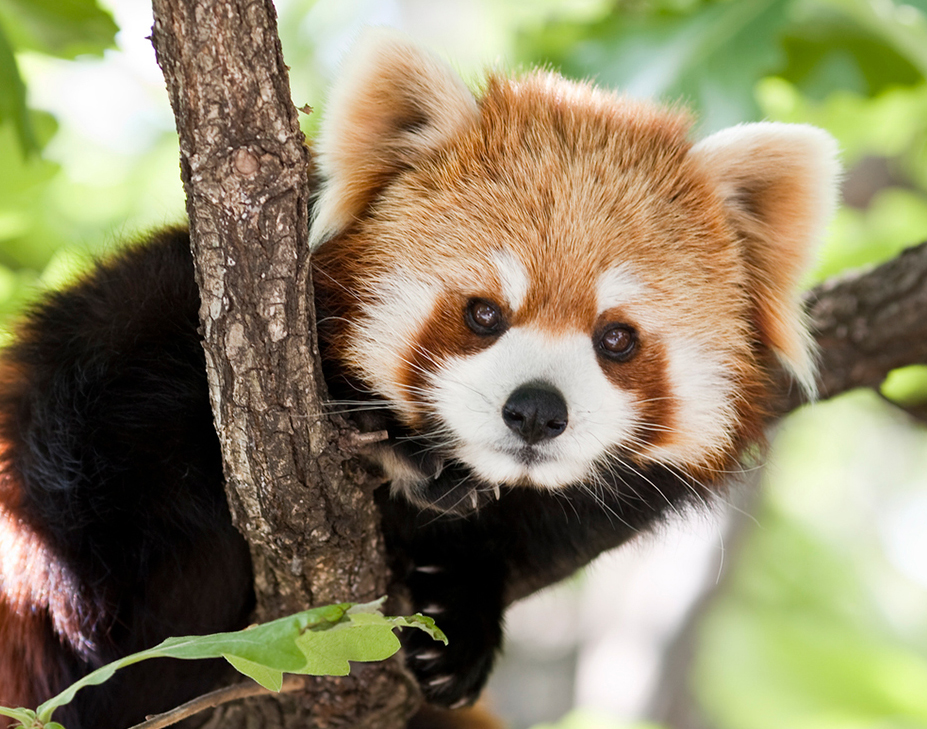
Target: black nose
536 412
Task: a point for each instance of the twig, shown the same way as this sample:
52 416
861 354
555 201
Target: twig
217 698
355 440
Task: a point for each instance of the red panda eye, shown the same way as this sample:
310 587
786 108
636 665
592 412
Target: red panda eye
618 342
483 317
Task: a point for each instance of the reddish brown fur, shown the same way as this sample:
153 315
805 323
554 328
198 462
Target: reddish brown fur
24 636
27 587
473 717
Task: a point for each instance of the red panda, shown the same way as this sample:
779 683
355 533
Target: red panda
566 315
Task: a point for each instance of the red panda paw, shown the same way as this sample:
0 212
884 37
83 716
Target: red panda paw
452 675
452 490
467 606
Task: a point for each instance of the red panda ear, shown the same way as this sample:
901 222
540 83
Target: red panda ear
393 104
779 184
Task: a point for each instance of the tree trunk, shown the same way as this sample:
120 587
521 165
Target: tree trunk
304 509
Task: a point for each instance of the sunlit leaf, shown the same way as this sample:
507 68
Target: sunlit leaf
269 678
271 644
328 653
64 28
907 385
21 715
321 641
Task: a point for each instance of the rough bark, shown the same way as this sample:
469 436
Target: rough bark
311 524
868 323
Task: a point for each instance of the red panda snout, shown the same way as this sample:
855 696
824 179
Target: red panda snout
536 412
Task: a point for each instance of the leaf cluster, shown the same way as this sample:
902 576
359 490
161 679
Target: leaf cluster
317 642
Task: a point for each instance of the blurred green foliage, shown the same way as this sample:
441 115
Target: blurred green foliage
62 28
907 386
820 627
586 719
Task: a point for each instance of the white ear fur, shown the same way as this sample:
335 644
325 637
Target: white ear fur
779 183
393 104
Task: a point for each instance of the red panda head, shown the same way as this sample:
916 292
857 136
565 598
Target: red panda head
548 279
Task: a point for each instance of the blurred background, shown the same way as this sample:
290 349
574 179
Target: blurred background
800 602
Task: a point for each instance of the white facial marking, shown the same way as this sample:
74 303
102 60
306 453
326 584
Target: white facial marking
702 390
469 393
391 328
619 286
512 276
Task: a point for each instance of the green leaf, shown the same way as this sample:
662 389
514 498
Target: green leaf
420 622
906 385
63 28
320 641
365 636
24 716
13 97
269 678
271 644
327 653
101 675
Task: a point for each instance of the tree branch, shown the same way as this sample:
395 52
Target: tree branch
867 323
224 695
311 524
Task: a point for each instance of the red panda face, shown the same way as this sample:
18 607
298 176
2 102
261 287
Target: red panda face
553 282
544 311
